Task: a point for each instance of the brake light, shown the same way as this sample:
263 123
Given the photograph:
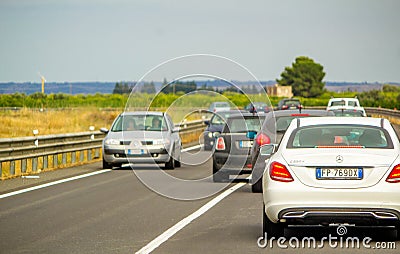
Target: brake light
299 114
285 107
279 172
263 139
220 144
394 176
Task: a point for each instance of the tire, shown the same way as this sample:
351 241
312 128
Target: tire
272 229
219 176
257 186
106 165
170 164
177 163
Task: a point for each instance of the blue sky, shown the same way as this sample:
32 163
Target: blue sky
78 40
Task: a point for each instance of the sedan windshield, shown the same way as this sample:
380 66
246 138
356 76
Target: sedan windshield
339 136
140 123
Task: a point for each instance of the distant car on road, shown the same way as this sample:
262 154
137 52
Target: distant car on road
348 112
214 127
232 147
219 106
257 107
345 103
291 103
332 172
142 137
272 131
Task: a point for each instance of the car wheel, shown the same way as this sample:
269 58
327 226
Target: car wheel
219 176
257 186
170 164
106 165
272 229
178 163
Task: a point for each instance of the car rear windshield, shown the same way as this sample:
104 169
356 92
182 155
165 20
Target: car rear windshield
219 118
140 123
238 125
292 102
339 136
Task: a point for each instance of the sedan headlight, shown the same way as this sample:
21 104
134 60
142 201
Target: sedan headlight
111 141
210 134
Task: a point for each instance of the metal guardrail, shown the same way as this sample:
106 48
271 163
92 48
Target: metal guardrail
31 155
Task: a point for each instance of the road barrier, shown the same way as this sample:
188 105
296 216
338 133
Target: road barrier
31 155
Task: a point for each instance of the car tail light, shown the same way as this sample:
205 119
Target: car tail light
263 139
394 176
285 107
220 144
279 172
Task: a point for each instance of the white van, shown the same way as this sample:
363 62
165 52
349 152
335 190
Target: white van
345 103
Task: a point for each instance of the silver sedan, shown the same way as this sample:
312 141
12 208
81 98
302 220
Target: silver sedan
142 137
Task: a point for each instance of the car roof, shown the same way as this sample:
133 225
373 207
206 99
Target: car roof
343 99
245 114
370 121
315 112
135 113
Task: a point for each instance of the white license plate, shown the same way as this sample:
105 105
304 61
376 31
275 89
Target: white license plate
245 143
135 151
339 173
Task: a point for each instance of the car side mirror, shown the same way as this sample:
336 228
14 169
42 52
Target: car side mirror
268 149
207 122
104 130
251 134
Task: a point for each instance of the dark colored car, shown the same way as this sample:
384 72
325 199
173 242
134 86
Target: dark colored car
289 104
257 107
214 127
348 112
271 132
232 148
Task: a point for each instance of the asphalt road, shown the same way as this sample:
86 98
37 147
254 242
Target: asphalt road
114 212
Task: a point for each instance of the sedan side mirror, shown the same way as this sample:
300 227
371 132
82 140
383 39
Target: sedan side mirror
207 122
268 149
104 130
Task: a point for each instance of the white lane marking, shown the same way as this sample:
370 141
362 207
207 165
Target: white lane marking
53 183
181 224
192 148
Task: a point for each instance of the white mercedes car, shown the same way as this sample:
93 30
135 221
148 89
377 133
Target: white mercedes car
331 172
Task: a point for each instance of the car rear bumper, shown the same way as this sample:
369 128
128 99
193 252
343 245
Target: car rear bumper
306 205
233 164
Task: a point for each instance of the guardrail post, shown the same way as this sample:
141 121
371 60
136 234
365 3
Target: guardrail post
73 157
34 164
55 160
45 162
97 153
23 166
89 154
81 155
64 158
12 167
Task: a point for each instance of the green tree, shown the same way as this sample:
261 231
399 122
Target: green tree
305 76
